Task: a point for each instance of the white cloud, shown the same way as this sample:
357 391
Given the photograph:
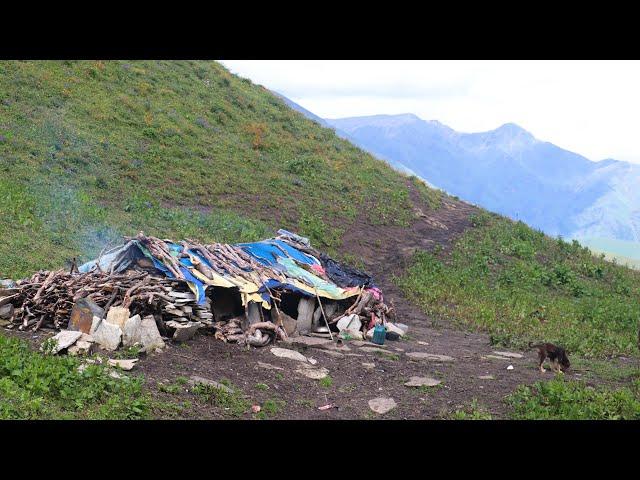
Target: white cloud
590 107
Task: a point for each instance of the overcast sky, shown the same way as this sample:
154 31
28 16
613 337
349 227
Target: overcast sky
589 107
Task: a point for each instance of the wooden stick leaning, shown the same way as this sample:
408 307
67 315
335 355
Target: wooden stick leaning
323 315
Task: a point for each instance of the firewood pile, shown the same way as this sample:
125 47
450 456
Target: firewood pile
46 299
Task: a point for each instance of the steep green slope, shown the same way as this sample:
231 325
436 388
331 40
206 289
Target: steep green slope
520 285
93 150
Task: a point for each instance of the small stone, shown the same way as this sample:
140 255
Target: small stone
194 380
509 354
81 347
374 349
268 366
65 339
510 367
486 377
308 341
255 408
123 364
422 382
429 356
368 365
382 405
290 354
332 353
312 372
107 335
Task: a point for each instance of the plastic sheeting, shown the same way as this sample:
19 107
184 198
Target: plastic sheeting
304 273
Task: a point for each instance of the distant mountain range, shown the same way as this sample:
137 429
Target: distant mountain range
508 171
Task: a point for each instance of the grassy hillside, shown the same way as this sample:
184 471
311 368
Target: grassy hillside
523 286
93 150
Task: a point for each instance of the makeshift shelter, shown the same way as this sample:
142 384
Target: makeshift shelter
247 292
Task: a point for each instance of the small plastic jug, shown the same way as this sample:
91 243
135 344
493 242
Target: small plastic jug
379 334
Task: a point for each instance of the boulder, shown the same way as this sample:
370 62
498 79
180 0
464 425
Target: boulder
350 322
130 333
148 335
183 331
6 311
306 306
289 324
108 336
118 316
82 315
65 339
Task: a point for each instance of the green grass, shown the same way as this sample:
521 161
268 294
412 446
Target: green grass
38 386
520 285
471 412
326 382
570 400
233 403
271 408
94 150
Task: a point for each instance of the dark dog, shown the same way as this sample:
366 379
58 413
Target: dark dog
557 356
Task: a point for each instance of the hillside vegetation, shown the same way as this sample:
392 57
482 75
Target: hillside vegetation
521 286
92 150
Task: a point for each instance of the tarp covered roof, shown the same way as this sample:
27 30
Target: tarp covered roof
286 262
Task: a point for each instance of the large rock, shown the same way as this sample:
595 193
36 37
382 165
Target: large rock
118 316
82 315
6 311
184 331
108 336
289 324
65 339
306 306
382 405
349 322
148 335
130 333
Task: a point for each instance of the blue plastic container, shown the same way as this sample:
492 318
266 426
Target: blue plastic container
379 334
